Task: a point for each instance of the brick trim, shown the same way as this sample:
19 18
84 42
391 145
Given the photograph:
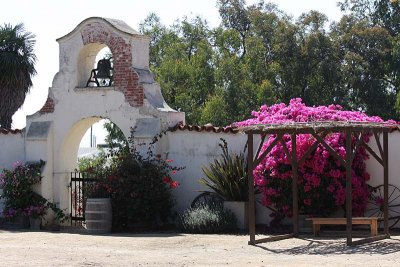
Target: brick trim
125 76
48 107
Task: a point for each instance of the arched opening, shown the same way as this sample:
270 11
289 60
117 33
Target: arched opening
99 137
80 144
79 137
88 60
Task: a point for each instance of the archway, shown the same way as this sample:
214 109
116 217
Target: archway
69 155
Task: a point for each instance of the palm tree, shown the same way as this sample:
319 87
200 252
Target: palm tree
17 67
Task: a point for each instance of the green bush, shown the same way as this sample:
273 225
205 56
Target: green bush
227 175
207 219
138 184
18 195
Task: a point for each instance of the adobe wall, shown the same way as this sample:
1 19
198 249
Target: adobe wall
193 150
12 148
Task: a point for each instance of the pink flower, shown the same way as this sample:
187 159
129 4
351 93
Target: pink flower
331 188
321 173
17 164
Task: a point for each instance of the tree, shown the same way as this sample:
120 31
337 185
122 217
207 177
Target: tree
260 55
115 138
235 16
17 67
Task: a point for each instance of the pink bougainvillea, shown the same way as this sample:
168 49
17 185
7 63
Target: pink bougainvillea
321 177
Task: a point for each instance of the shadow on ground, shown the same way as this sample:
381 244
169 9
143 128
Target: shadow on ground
319 246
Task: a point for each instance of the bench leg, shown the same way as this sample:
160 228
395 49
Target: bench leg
374 228
316 229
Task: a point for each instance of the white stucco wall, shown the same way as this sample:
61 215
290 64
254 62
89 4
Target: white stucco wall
375 169
194 150
12 148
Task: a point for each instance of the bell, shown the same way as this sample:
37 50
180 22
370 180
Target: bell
102 75
104 69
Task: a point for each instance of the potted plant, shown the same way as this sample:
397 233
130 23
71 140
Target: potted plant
227 176
35 213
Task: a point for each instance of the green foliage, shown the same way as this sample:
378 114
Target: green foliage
115 138
140 192
90 164
227 175
206 219
139 185
20 199
17 66
215 111
259 55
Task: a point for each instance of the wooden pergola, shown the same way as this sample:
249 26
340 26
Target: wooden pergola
318 130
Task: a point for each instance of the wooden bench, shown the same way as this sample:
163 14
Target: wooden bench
372 221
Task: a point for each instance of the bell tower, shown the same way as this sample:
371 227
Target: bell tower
84 91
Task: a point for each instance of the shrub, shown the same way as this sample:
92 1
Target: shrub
20 199
227 175
139 186
207 219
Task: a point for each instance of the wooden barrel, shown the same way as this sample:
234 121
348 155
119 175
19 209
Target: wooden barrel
98 215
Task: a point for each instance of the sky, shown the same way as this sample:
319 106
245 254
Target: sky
51 19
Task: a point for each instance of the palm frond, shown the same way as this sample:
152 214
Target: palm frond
17 67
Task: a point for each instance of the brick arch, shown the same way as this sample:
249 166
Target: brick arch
125 77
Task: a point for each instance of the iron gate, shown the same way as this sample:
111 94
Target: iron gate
78 185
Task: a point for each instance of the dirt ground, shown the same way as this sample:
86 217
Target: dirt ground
66 248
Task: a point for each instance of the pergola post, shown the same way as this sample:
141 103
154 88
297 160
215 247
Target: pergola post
250 168
348 188
294 188
385 157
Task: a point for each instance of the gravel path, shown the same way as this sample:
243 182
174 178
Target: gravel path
171 249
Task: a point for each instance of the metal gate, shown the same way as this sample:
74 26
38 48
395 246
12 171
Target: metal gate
78 186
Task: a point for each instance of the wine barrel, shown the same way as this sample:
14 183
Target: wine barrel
98 215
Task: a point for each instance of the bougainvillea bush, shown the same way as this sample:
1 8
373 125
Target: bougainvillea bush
19 197
139 185
322 178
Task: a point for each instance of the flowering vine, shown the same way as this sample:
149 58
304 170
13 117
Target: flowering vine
322 178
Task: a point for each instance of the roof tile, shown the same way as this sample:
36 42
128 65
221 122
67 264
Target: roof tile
204 128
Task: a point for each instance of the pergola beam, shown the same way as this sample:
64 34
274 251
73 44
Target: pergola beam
258 159
311 150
